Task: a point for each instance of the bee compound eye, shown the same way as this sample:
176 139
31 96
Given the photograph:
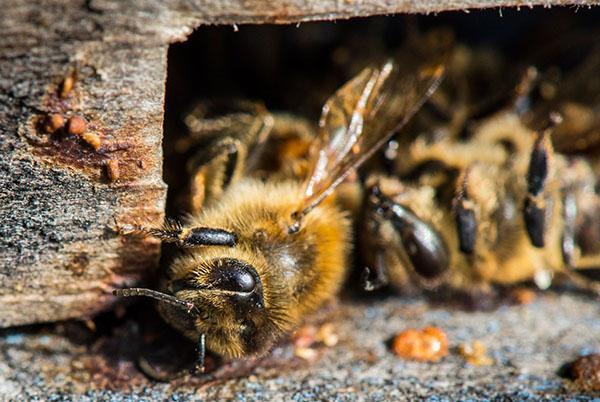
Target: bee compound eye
424 247
234 275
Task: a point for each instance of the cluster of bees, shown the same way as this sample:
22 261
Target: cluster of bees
430 182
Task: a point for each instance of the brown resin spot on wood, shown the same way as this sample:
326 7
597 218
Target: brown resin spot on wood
88 147
53 123
67 84
112 170
76 125
69 136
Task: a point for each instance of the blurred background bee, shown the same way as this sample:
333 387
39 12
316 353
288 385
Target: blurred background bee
266 241
490 186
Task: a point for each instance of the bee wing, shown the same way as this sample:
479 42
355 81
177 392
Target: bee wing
358 119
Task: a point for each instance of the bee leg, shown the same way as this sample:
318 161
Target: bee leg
521 102
582 282
376 277
375 274
571 253
214 169
424 248
173 232
464 213
534 212
199 367
152 373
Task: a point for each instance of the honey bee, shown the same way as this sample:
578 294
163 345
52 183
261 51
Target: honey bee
260 254
495 206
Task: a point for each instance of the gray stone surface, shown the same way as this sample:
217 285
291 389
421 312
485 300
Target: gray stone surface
529 343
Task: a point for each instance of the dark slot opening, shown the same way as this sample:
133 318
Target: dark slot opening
295 67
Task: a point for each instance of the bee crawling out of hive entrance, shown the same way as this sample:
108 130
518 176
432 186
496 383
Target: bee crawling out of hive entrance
437 161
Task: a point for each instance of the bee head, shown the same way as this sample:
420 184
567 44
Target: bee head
228 296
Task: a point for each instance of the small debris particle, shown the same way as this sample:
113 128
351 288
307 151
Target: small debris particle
475 353
428 344
306 353
93 140
585 372
67 85
326 334
115 146
307 340
112 169
522 296
76 125
304 337
126 229
90 324
53 123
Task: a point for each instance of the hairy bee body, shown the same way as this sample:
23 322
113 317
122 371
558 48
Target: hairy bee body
502 208
496 183
267 241
293 274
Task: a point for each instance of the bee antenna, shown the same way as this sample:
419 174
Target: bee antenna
163 297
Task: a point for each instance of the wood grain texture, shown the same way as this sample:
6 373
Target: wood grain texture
293 11
59 257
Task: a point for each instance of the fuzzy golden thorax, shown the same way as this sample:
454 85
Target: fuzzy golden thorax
251 294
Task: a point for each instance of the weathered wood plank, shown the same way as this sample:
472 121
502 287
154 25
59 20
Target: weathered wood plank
58 256
292 11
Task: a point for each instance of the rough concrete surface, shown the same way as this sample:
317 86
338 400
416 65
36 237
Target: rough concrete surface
529 343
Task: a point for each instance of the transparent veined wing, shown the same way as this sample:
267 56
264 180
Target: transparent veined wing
358 119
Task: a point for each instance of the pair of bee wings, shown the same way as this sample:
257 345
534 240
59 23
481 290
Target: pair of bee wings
358 119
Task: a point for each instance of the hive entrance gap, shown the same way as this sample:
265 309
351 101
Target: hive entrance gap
294 68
